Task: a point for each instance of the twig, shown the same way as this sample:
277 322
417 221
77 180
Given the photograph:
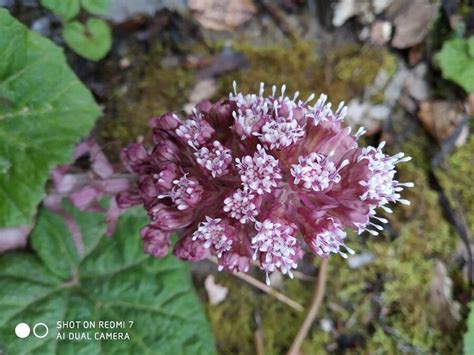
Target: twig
453 218
271 291
258 335
313 311
302 276
280 19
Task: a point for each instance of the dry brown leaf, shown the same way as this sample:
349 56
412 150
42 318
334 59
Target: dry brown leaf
415 55
412 20
222 15
441 118
448 310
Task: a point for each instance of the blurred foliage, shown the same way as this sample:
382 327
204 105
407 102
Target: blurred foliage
64 9
92 39
96 7
456 60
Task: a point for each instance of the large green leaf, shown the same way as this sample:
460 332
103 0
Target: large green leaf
44 112
113 280
456 60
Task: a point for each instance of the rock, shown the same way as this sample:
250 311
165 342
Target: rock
367 115
364 10
416 85
381 32
360 260
216 293
123 10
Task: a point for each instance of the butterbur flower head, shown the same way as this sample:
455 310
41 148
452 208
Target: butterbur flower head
275 247
260 178
328 238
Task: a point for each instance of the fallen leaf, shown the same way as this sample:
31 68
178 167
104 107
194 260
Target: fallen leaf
441 118
448 310
364 10
415 55
226 61
222 15
215 292
412 20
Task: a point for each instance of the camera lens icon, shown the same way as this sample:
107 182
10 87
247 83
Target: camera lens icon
23 330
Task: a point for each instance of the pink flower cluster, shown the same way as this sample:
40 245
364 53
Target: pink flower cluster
259 177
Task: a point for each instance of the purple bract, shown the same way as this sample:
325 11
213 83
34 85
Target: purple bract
262 178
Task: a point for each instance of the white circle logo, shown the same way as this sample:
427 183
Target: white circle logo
41 334
22 330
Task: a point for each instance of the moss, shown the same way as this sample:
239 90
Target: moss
356 65
456 179
147 89
341 73
234 321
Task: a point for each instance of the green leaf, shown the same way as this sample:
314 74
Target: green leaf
44 111
470 44
92 41
96 7
67 9
469 336
456 60
113 280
